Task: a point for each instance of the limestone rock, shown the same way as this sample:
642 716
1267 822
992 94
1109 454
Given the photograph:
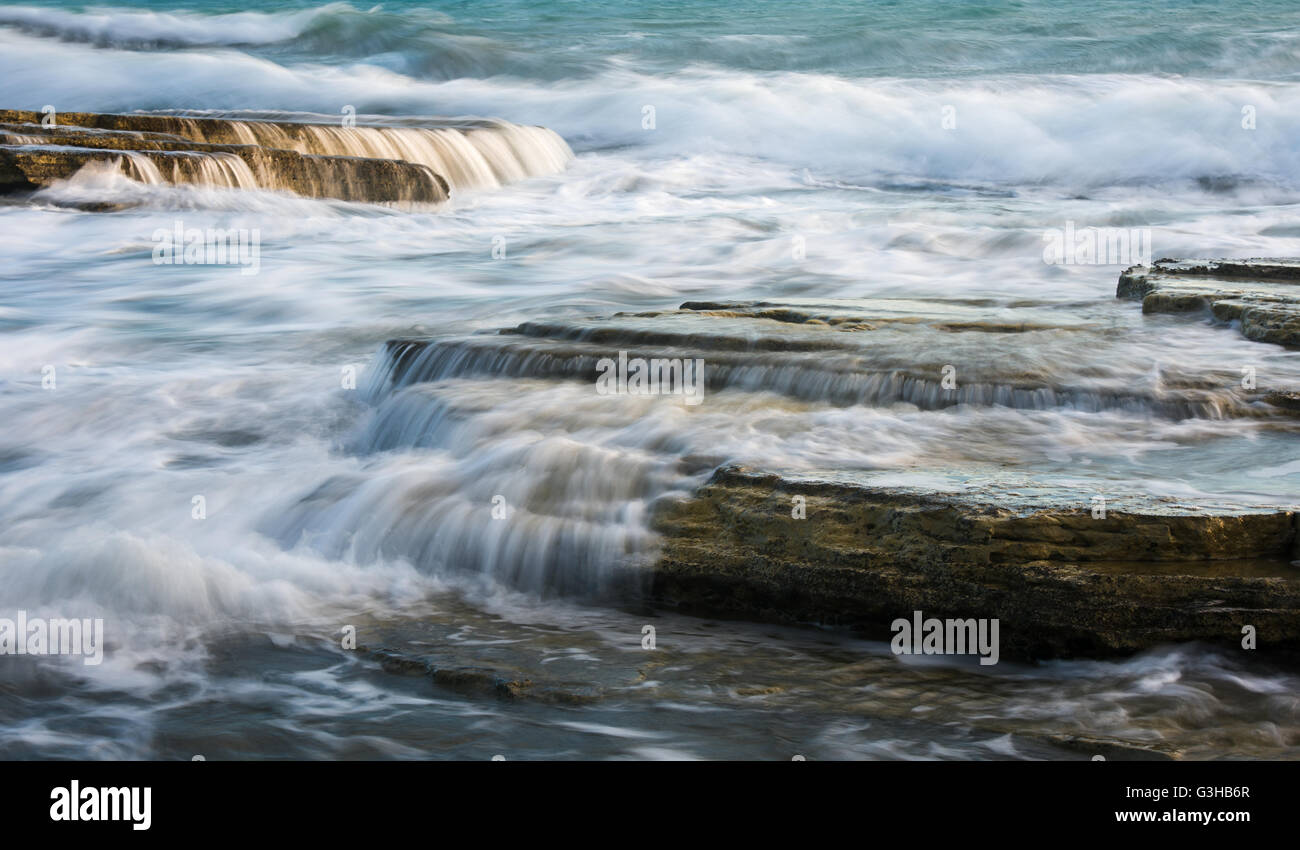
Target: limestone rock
1263 296
1060 582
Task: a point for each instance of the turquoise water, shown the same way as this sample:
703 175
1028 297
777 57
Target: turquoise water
572 40
823 122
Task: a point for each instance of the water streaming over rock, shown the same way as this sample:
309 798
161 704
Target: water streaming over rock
316 160
486 156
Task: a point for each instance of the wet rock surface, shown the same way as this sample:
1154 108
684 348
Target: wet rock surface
30 167
373 164
979 513
899 352
507 685
1261 296
1061 580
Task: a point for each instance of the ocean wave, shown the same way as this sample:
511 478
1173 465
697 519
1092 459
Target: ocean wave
139 28
1070 130
510 37
419 42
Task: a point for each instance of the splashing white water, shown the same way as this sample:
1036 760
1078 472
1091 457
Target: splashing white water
483 157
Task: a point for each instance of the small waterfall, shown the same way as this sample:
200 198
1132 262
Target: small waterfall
345 178
841 379
220 170
516 151
447 152
483 157
140 167
366 164
458 482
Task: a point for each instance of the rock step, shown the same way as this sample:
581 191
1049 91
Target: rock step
826 363
1060 582
30 167
467 154
1263 296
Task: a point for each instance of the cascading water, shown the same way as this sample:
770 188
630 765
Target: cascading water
350 163
485 156
140 167
219 170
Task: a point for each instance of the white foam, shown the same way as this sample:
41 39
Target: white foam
133 26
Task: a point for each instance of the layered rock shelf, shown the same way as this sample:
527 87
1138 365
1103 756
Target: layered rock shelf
989 521
421 164
1261 296
1061 580
30 167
